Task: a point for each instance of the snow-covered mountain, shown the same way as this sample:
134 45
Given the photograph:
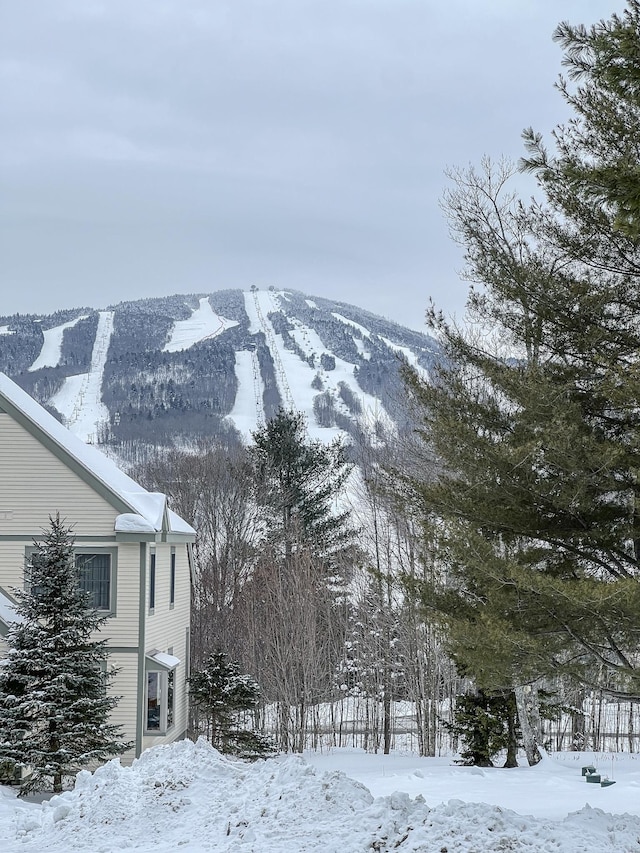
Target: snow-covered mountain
171 369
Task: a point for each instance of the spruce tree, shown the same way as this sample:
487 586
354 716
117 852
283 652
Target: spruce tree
54 708
306 555
485 724
297 483
223 694
533 422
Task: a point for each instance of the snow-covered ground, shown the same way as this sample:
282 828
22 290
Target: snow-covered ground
52 345
248 410
186 797
79 400
203 323
294 376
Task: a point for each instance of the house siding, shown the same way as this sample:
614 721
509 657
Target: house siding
124 684
33 492
166 629
37 483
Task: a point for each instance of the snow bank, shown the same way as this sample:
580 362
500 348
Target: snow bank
188 797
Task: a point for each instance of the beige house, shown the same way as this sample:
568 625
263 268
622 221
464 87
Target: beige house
133 554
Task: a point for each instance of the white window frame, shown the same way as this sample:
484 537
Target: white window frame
165 681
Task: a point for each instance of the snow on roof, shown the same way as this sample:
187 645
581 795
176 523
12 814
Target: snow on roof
164 659
7 610
178 525
149 505
131 522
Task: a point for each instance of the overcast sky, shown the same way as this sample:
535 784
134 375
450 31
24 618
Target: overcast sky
150 147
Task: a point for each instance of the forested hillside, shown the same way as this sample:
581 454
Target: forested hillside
167 371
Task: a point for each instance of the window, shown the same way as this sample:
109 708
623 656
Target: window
160 691
170 696
94 577
152 582
153 701
97 575
172 579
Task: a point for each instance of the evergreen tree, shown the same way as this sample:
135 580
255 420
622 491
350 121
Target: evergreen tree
297 484
223 694
594 171
54 709
485 723
534 420
307 552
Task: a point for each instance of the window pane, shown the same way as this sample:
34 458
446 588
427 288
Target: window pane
153 700
94 577
170 685
172 580
152 582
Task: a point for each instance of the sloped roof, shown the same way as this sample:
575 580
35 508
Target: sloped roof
129 497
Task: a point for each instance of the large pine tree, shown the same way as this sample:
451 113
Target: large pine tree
534 420
306 554
54 707
298 481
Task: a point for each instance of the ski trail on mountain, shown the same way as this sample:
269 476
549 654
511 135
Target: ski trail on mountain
52 345
410 356
203 324
79 400
248 410
263 304
294 375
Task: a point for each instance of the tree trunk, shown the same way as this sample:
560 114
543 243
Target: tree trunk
284 726
512 743
387 717
529 716
578 733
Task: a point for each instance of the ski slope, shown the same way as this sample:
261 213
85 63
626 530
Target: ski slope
312 373
248 410
79 401
203 323
52 345
294 376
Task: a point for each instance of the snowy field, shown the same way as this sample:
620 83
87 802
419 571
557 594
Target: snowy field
187 797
